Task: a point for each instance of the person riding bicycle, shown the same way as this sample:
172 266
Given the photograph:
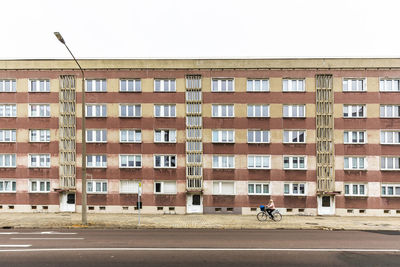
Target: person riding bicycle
270 207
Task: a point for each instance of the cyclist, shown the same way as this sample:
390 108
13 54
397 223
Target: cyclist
270 207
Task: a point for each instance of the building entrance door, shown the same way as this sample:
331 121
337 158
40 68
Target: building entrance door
67 202
194 203
326 205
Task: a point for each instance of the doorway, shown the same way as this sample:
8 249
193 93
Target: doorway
194 203
67 202
326 205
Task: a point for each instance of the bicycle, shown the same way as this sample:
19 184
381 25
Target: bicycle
263 215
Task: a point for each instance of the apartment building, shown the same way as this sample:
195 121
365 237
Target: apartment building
319 136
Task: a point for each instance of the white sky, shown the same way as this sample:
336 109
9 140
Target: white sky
200 29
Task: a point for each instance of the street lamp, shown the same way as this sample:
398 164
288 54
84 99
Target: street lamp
84 194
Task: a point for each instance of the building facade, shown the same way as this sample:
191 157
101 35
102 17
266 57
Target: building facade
319 136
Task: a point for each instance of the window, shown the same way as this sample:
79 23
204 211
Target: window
130 110
39 110
8 86
39 135
194 146
8 186
130 161
390 190
164 110
165 187
354 85
298 136
96 161
193 133
130 85
164 85
257 85
193 96
194 121
165 136
96 85
354 111
8 135
257 136
223 85
164 161
130 136
129 187
355 163
295 189
223 162
223 188
294 111
97 186
223 136
257 188
258 111
39 186
294 163
390 111
96 110
39 160
223 111
390 163
39 85
8 160
193 109
294 85
8 110
193 158
96 136
389 85
354 137
258 162
390 137
355 190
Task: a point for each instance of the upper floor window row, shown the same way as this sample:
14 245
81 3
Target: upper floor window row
389 85
8 135
8 86
96 85
257 85
354 111
389 111
39 85
293 85
354 85
8 110
223 85
164 85
96 110
130 85
39 110
224 111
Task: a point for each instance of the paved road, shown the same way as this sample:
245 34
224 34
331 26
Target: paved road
198 248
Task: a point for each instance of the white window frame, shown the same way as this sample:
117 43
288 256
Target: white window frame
262 108
161 133
220 186
289 136
126 158
130 110
260 185
8 110
223 136
223 161
131 85
257 162
390 137
349 189
385 82
293 85
39 108
222 85
384 111
348 109
354 84
193 133
92 188
385 190
96 87
8 186
8 158
41 86
8 85
171 85
163 160
136 133
38 183
162 187
129 189
8 135
390 163
93 158
294 111
257 85
258 133
42 135
354 133
93 106
292 187
291 162
39 158
354 163
217 110
94 134
162 108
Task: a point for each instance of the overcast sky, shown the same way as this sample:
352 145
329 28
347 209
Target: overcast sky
200 29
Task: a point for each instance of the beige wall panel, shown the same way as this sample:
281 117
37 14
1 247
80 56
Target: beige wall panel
240 84
276 136
311 188
240 110
181 85
207 161
206 84
275 110
207 136
277 162
339 186
180 186
338 110
113 110
276 188
208 187
373 84
180 111
241 136
374 189
79 136
54 85
147 110
374 136
339 162
181 136
338 136
22 185
275 84
22 160
206 110
147 186
147 136
373 110
373 163
311 162
338 84
22 110
112 136
54 161
147 85
113 85
181 160
112 161
310 110
310 84
23 135
22 85
241 187
147 161
78 84
240 161
113 186
54 110
310 136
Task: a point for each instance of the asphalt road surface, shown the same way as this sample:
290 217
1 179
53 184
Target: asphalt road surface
204 248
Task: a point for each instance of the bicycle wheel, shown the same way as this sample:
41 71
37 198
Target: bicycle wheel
277 217
262 216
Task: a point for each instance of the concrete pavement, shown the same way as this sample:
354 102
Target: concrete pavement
220 221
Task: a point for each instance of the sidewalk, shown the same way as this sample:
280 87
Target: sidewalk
126 221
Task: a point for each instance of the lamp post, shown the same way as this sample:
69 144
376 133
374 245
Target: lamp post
84 193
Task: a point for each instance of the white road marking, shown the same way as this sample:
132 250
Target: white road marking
36 233
15 246
47 238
